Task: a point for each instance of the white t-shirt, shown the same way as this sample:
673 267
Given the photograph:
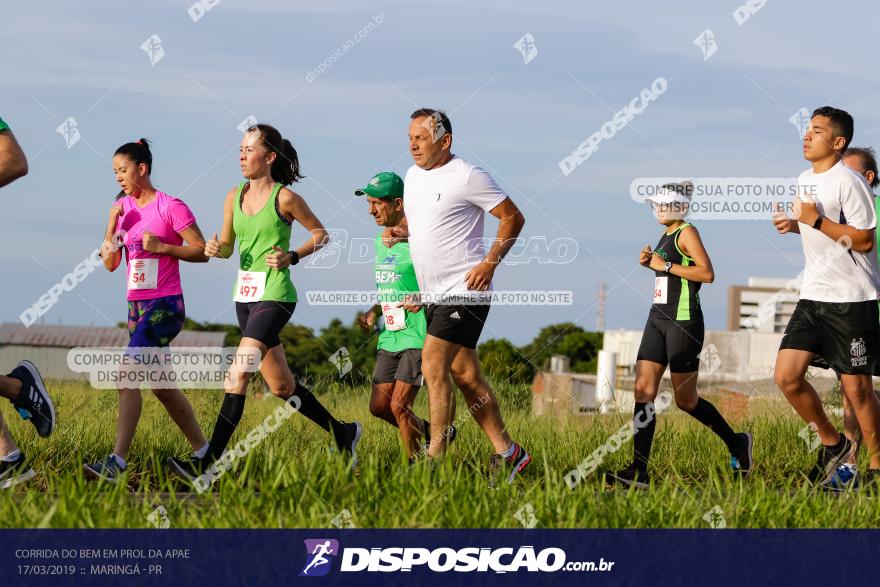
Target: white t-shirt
833 274
445 208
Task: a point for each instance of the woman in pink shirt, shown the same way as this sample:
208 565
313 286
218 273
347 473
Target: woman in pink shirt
153 227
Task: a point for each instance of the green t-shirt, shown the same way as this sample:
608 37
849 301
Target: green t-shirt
396 277
877 229
3 125
256 234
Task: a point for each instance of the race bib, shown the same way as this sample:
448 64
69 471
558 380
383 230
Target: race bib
661 287
144 274
395 316
250 287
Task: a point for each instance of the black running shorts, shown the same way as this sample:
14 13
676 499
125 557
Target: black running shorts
405 365
263 320
458 324
676 343
845 335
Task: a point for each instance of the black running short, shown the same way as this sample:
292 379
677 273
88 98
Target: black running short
845 335
676 343
405 365
458 324
263 320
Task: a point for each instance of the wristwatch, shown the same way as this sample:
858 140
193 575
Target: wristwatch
294 257
667 267
818 224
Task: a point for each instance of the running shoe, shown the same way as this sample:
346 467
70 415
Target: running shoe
110 470
14 472
190 469
870 482
830 457
347 439
512 465
453 433
34 403
845 477
741 459
629 477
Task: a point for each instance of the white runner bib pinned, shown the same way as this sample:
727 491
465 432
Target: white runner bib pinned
395 316
250 287
144 274
661 288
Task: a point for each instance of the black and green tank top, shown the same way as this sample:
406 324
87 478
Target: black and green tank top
675 298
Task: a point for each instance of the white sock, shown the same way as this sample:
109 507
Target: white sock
11 457
202 451
119 461
509 452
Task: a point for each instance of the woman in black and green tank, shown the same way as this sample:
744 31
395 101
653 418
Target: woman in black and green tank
259 212
673 337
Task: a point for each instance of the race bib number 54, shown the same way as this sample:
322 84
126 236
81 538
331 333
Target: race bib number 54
250 287
144 274
661 287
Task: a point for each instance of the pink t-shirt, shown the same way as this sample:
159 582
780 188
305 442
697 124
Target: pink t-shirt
165 217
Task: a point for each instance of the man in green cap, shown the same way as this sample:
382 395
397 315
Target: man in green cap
398 373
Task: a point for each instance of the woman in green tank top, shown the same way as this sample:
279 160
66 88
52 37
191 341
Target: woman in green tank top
673 337
259 213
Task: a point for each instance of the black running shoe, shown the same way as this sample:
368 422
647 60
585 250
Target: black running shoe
452 434
34 403
512 465
830 457
741 459
110 470
14 472
629 477
870 482
190 469
347 439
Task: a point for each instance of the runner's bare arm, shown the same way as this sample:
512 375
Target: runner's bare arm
111 253
294 207
225 245
862 238
691 245
13 163
193 251
509 227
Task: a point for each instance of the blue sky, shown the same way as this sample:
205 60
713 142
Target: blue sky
723 117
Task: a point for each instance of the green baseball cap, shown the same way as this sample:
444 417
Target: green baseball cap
385 185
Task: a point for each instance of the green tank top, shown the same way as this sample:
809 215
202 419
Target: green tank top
256 236
396 277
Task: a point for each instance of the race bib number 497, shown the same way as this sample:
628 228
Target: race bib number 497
250 286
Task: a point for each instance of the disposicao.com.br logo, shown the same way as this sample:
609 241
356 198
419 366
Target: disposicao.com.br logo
443 560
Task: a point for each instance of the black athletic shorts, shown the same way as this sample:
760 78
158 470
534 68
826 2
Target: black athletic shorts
676 343
263 320
845 335
459 324
405 365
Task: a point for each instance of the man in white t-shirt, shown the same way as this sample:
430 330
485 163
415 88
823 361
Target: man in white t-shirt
837 314
445 200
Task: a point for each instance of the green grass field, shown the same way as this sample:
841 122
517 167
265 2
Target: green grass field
292 480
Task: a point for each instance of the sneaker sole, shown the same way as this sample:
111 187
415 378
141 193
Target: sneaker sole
13 481
519 468
41 387
93 475
746 472
832 465
178 470
629 483
357 438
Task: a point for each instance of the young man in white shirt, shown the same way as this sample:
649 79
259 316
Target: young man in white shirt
837 314
445 202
